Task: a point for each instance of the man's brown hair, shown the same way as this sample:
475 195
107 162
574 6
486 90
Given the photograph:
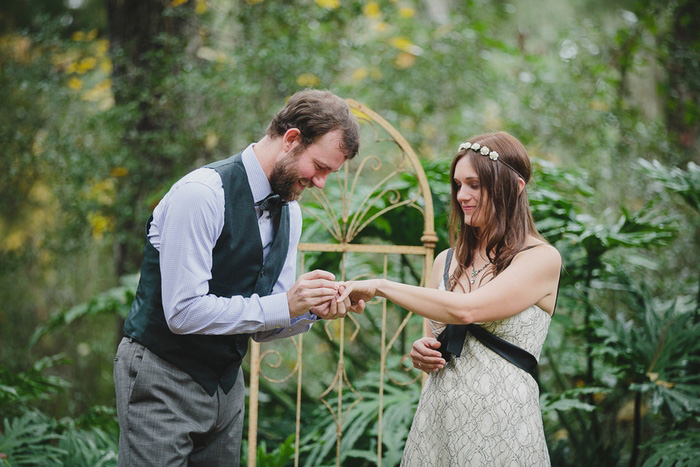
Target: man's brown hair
315 113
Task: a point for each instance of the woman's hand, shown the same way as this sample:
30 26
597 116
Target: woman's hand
359 293
333 309
424 356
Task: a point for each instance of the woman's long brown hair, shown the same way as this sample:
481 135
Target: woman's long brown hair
508 220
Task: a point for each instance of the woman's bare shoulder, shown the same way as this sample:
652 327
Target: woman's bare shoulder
543 251
438 267
439 262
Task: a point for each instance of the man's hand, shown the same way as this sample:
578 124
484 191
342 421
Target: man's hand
424 357
333 309
312 291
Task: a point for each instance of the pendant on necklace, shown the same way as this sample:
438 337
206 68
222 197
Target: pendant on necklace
476 272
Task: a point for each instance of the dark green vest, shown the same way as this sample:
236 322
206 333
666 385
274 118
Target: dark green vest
237 269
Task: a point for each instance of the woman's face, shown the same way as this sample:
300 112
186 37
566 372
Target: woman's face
469 192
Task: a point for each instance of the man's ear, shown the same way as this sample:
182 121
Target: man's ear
291 139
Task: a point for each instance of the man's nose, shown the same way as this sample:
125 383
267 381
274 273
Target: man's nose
319 181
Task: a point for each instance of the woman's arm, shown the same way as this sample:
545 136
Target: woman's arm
531 277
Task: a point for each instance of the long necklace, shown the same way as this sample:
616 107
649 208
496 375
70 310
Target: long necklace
475 272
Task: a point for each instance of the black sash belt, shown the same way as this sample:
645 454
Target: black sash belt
452 339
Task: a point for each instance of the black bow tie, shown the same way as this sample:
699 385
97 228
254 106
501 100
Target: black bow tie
271 203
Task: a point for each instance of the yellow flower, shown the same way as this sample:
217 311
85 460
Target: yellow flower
15 240
408 124
402 43
117 172
101 47
38 145
380 26
101 91
406 12
359 74
372 10
103 192
100 224
21 49
86 65
308 80
78 36
72 67
200 7
207 53
106 104
600 105
177 3
75 83
405 60
106 66
91 35
211 140
330 4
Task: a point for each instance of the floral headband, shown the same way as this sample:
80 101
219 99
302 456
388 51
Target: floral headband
485 151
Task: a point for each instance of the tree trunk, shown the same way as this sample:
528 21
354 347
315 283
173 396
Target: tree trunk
147 40
682 104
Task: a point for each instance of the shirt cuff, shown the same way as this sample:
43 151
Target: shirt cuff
275 311
307 317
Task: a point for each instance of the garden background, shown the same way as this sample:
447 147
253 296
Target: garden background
105 103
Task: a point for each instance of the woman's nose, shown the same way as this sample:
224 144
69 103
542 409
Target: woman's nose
463 193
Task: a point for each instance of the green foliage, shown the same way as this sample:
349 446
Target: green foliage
569 400
684 183
360 425
674 449
34 439
588 87
19 389
655 351
30 437
28 440
116 301
88 447
281 456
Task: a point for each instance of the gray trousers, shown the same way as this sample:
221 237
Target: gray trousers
167 419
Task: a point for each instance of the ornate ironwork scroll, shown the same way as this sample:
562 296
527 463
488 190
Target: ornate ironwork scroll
383 186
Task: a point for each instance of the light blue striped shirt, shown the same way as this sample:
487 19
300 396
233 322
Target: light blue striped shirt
186 225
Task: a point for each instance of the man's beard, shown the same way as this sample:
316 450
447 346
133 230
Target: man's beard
285 176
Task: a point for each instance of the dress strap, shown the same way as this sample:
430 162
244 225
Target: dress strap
448 260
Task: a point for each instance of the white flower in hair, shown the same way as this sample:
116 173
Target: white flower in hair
464 146
476 146
493 155
485 151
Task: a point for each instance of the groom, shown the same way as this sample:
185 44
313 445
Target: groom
219 267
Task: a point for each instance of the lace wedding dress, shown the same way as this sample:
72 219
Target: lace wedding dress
481 410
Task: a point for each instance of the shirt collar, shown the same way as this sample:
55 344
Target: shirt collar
259 184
